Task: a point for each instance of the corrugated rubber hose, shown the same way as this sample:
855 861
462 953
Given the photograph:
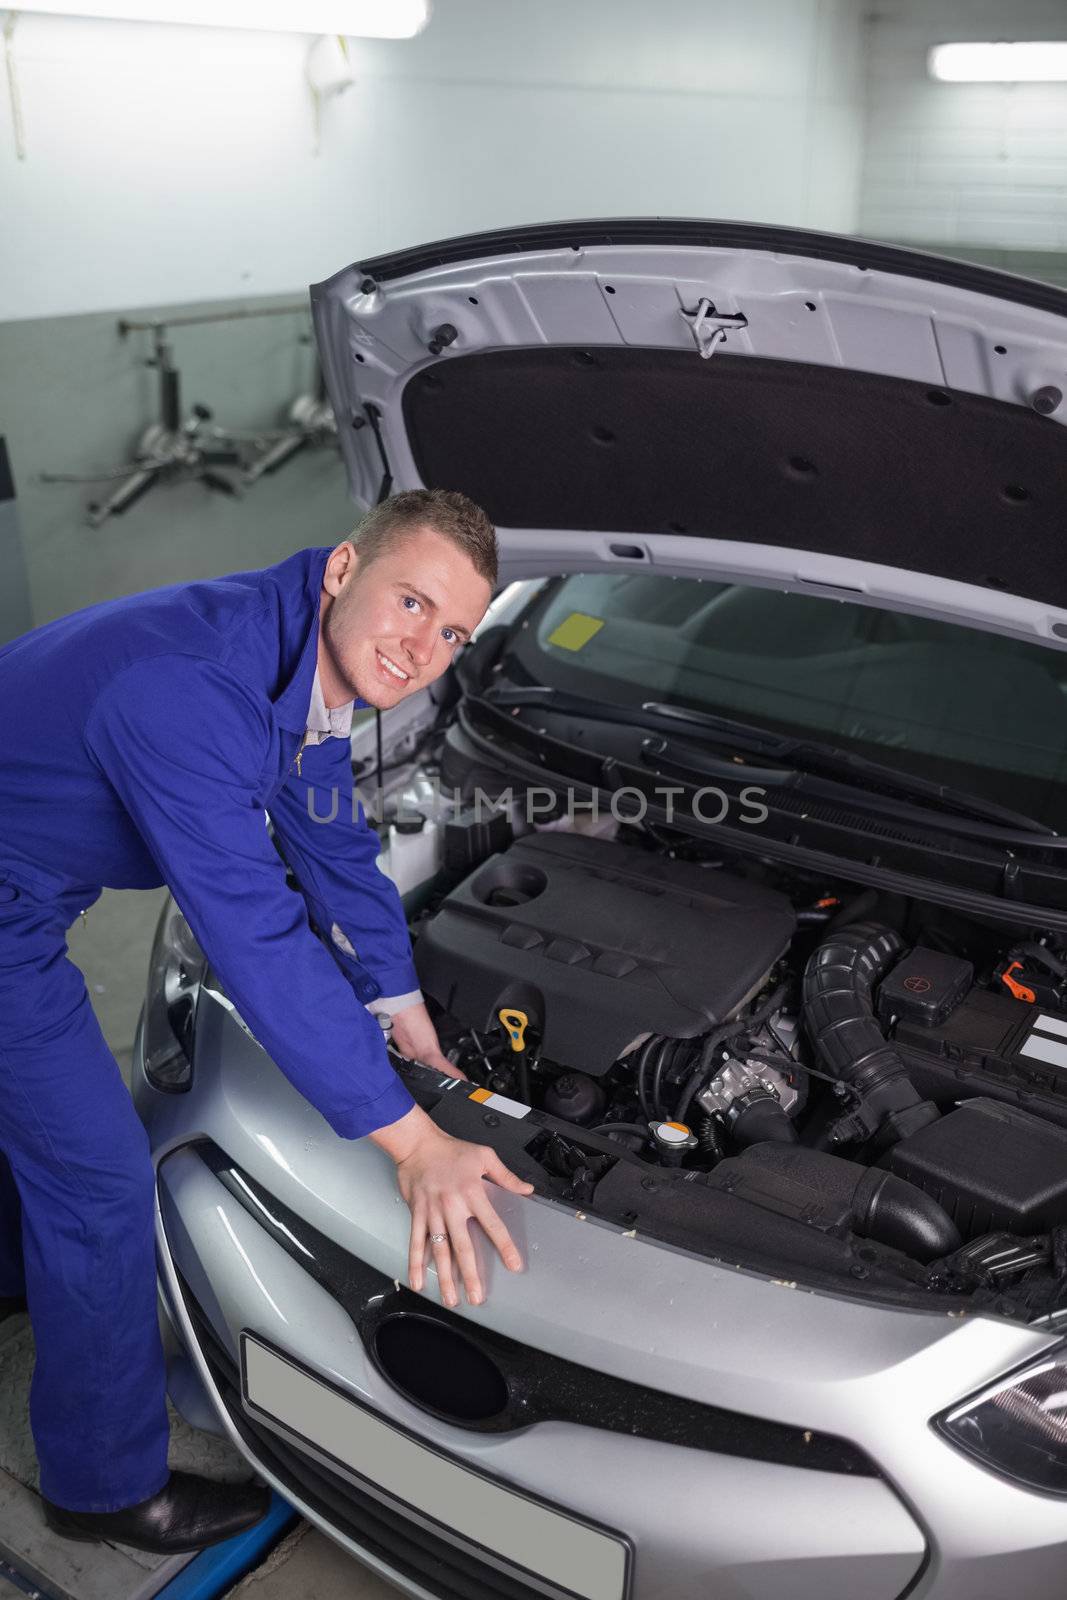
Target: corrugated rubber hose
848 1041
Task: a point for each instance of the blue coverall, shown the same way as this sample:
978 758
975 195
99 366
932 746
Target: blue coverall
142 742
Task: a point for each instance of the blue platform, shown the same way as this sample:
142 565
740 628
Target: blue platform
214 1571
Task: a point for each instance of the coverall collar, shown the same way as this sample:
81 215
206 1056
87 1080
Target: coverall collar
291 706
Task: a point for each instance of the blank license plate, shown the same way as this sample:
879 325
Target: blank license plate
545 1543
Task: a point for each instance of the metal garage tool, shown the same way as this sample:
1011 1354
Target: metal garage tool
310 424
176 447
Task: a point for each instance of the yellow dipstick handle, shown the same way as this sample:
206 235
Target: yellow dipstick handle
515 1025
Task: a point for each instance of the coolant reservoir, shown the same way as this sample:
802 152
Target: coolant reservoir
411 853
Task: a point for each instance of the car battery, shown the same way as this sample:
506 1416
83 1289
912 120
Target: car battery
989 1044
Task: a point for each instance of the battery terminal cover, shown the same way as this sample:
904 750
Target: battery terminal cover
926 987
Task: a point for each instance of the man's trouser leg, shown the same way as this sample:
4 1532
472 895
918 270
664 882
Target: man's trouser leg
12 1280
80 1160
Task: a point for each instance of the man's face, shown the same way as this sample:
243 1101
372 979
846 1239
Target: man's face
391 627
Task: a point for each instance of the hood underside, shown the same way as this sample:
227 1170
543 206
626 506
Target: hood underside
756 386
807 457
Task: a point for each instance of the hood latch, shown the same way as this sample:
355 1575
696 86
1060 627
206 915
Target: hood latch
710 327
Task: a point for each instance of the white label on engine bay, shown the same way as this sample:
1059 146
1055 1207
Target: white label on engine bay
501 1103
1052 1025
1045 1049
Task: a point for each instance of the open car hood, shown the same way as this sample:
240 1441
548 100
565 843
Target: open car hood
779 405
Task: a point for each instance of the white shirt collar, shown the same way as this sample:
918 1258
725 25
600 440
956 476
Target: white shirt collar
323 723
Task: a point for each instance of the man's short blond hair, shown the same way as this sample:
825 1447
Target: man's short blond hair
446 511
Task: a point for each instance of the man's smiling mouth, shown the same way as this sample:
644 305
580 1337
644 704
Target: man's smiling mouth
392 668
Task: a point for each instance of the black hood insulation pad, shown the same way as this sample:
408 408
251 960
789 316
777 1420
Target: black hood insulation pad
811 458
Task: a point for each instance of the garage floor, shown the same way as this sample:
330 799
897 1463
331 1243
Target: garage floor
111 948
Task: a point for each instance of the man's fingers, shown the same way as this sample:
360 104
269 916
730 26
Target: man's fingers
499 1173
442 1064
498 1234
444 1193
463 1248
417 1246
441 1246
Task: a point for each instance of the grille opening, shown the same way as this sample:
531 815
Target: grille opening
436 1367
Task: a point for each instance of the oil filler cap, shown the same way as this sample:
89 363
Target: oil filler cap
515 1025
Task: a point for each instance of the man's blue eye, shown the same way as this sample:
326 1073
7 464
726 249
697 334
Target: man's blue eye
409 600
449 636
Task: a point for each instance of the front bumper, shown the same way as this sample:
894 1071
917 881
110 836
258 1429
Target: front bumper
759 1528
931 1523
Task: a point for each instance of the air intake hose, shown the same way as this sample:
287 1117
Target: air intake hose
898 1214
847 1040
825 1192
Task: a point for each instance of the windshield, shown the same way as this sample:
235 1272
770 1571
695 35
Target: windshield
963 707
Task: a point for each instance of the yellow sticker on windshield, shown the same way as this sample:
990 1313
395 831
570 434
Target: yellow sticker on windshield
575 631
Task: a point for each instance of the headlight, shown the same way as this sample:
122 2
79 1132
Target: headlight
1019 1428
174 975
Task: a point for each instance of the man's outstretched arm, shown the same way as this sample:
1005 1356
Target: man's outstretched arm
324 835
183 744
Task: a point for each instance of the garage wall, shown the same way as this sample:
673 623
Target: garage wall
14 592
77 396
978 168
169 163
174 170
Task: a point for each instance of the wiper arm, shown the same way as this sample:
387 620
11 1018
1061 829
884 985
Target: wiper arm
813 756
693 762
807 755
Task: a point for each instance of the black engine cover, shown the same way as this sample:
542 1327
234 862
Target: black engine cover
599 942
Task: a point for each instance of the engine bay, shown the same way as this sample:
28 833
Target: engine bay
741 1059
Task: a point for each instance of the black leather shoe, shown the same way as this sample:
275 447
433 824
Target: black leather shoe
11 1305
186 1514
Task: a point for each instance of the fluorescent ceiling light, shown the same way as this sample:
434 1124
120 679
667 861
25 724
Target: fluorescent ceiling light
368 19
1031 61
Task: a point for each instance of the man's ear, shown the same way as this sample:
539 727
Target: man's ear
340 568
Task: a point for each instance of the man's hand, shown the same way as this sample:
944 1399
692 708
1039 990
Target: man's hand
415 1036
442 1181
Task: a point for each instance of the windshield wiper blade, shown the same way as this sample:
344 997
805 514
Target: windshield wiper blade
808 755
694 763
814 756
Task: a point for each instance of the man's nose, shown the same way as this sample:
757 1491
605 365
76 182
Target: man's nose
419 644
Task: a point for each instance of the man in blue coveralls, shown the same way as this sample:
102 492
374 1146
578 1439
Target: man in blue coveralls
143 741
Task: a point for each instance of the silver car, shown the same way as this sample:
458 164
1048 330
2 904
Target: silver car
731 848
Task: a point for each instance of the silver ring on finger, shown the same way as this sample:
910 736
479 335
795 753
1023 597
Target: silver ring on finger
439 1238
